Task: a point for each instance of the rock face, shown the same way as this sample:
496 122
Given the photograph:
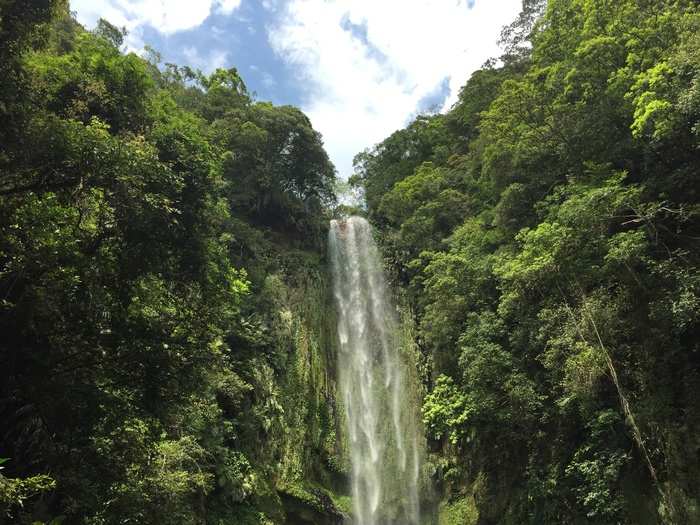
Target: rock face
311 507
304 449
302 460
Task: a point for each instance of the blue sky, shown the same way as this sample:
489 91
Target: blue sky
239 40
359 68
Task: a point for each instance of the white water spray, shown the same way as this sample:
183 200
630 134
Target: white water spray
384 445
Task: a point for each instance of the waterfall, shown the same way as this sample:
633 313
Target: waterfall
384 446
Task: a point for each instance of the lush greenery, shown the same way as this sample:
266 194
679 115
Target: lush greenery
167 330
166 348
547 229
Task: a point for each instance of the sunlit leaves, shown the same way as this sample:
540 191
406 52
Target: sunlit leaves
445 410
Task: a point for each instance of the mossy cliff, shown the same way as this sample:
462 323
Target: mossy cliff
297 449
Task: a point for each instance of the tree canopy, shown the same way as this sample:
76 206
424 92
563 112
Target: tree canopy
139 356
546 228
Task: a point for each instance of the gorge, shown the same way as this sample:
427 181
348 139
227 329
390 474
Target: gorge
502 328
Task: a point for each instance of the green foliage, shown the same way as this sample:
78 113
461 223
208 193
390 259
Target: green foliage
596 469
459 512
398 156
546 230
445 410
15 491
148 219
279 175
93 80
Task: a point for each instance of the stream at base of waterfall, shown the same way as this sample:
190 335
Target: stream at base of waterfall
384 443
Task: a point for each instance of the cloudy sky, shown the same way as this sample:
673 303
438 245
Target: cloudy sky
359 68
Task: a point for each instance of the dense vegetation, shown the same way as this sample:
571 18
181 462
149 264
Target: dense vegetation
547 229
167 335
165 343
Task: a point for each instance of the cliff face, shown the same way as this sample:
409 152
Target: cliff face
311 449
299 450
302 452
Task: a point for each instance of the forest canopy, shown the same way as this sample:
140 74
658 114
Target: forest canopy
147 214
547 229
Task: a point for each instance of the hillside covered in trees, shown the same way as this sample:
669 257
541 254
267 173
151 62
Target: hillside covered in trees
168 340
547 229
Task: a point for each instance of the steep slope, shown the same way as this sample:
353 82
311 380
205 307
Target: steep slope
168 341
546 230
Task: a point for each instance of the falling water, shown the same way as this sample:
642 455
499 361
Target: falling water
383 441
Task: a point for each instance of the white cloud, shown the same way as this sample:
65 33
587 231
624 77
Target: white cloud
166 16
268 80
228 6
216 58
364 84
271 5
